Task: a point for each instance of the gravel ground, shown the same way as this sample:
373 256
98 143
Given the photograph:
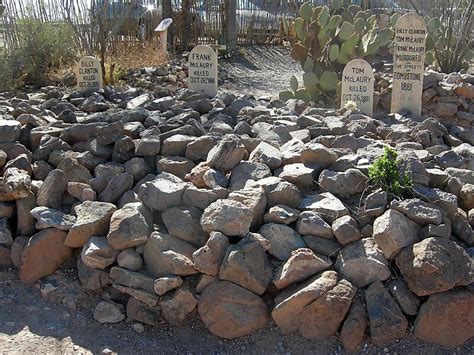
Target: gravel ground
261 70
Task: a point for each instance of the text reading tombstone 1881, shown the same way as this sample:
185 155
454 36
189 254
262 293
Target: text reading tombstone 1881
408 67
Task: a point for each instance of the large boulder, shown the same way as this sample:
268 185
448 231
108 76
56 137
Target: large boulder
256 202
435 265
93 219
227 216
246 264
280 192
393 232
51 192
311 223
362 263
178 305
230 311
130 226
354 327
166 255
316 308
446 318
43 254
419 211
97 253
386 320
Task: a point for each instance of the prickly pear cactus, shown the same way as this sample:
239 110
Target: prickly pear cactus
326 39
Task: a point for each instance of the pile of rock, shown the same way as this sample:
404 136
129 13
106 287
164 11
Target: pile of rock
246 209
445 96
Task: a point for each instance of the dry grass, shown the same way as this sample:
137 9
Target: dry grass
134 55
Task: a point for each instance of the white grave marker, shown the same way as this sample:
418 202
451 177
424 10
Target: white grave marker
358 86
162 30
89 74
202 70
408 67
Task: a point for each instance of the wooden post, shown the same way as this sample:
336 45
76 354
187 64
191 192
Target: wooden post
231 25
168 12
186 10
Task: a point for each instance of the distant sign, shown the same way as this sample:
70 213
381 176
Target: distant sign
163 26
358 86
202 70
408 67
89 74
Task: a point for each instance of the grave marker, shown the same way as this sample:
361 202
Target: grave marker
358 86
408 67
89 74
202 70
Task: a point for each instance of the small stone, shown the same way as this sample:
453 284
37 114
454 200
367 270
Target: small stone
302 264
165 284
281 214
49 217
346 230
177 306
227 216
97 253
130 259
109 312
393 232
208 259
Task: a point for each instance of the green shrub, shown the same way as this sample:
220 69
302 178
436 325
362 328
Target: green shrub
384 173
38 49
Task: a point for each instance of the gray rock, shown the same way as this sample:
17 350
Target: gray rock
227 154
143 313
328 206
362 263
132 279
52 190
202 198
302 264
6 236
9 131
208 259
227 216
184 223
346 230
281 214
130 259
421 212
48 217
256 202
323 246
93 219
246 264
311 223
92 279
407 300
97 253
318 153
301 175
165 284
130 226
266 154
164 192
280 192
375 204
386 320
116 187
454 267
393 232
343 185
444 200
177 306
109 312
160 262
246 171
282 239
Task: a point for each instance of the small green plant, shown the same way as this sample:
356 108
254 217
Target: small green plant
384 173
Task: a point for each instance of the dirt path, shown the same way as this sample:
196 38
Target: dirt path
62 323
261 71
